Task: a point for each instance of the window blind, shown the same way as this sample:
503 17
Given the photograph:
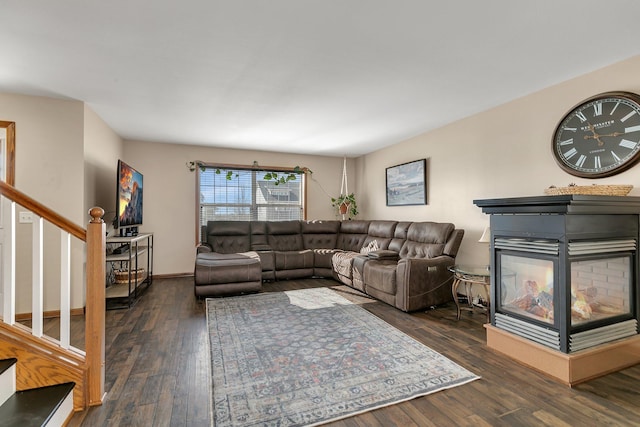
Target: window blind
244 195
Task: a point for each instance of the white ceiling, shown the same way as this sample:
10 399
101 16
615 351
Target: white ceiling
327 77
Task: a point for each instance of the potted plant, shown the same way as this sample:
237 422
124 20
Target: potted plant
346 205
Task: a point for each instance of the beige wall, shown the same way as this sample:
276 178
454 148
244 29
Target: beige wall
102 149
49 168
169 192
49 150
503 152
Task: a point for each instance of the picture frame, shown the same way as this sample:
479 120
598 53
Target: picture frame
407 183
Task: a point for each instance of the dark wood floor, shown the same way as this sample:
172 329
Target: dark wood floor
157 364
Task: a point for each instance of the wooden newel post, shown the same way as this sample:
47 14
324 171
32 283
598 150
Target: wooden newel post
95 306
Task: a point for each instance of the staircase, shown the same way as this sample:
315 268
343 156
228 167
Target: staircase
50 406
44 379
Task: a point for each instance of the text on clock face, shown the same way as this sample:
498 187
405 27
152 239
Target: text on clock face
597 126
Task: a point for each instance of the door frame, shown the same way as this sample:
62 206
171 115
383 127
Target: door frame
10 151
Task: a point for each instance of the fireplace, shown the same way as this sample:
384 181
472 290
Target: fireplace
592 307
565 271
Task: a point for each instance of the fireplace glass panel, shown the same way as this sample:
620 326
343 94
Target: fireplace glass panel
600 289
527 287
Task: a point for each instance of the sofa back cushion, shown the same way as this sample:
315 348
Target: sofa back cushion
381 232
426 239
399 235
320 234
259 236
229 237
352 235
284 235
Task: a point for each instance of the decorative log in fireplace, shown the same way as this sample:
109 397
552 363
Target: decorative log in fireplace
565 272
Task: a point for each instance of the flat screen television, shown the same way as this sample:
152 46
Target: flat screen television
128 197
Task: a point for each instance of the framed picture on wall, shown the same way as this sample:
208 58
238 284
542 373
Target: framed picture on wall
407 184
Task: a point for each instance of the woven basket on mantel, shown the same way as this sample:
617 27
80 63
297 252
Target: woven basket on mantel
595 190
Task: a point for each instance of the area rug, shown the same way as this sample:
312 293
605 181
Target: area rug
307 357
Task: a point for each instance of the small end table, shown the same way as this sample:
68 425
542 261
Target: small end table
470 275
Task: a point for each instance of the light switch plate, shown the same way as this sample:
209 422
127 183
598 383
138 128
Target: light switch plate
25 217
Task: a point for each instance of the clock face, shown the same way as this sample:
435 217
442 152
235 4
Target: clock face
599 137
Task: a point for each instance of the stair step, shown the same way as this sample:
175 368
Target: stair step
7 378
42 406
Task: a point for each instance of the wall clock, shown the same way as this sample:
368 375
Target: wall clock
600 136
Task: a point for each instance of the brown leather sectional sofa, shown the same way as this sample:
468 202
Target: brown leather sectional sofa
405 264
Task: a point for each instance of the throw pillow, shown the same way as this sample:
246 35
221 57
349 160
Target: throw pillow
372 246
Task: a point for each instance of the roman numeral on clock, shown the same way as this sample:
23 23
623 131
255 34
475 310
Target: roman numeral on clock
581 160
597 109
569 154
596 162
581 116
628 144
615 156
614 109
628 116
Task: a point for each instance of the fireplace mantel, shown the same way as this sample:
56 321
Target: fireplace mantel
565 204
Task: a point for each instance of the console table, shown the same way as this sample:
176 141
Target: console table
129 269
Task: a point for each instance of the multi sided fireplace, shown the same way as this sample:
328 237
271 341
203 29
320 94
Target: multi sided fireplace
565 271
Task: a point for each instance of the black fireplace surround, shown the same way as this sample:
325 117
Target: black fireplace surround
564 269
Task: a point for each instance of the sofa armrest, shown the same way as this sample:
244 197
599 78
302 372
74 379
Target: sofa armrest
203 248
423 282
384 254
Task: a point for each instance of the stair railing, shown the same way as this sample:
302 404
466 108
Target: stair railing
93 238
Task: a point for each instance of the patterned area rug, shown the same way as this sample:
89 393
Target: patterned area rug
310 356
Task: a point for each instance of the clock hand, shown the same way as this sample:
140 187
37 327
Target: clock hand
595 135
614 134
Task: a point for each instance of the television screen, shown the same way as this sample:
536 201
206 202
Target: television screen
129 196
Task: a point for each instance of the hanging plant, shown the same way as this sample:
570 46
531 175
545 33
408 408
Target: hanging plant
229 174
346 205
285 177
346 202
277 178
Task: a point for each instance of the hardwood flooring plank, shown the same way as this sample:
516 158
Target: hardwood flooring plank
550 420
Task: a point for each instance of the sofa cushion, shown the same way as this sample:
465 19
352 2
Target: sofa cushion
322 258
228 237
352 235
320 234
357 281
342 263
382 229
284 236
320 227
399 236
380 275
381 232
426 240
259 236
293 260
213 268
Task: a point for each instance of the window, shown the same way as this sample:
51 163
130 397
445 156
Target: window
242 194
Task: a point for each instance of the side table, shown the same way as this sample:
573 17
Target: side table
470 275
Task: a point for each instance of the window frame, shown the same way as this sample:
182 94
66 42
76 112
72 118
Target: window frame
227 166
